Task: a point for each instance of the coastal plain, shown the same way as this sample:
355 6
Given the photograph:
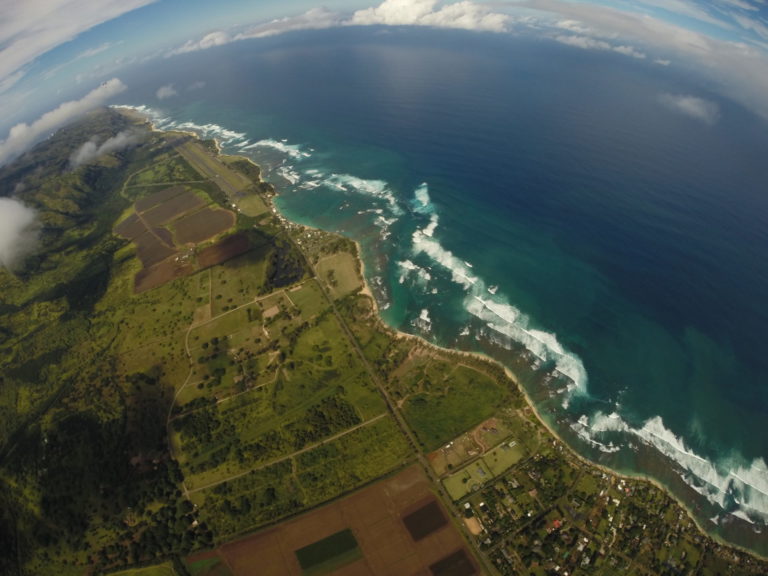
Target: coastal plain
192 384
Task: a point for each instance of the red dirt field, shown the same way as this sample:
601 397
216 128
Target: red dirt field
427 518
144 204
155 246
374 514
172 208
202 225
164 235
151 250
159 274
229 247
131 228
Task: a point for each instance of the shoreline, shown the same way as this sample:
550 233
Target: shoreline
401 335
687 508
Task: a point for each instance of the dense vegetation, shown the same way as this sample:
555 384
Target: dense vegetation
88 369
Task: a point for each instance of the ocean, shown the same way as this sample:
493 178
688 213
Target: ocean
531 201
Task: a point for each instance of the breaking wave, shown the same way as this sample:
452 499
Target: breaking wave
495 312
292 150
738 487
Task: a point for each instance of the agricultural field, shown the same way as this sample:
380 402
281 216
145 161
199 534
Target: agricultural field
170 225
91 366
329 554
369 523
278 381
165 569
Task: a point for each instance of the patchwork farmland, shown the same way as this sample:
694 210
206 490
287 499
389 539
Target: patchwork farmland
169 228
395 526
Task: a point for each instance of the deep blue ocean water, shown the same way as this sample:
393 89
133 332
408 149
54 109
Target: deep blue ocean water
512 192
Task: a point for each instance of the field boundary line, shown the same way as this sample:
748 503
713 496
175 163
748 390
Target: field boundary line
307 448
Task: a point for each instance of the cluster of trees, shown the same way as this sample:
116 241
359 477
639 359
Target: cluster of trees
285 265
332 414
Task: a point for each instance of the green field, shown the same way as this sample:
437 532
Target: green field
340 273
165 569
504 456
467 480
208 567
329 554
443 400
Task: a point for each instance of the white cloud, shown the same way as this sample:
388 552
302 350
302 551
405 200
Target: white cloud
315 19
464 14
92 150
195 86
18 232
739 71
23 136
589 43
739 4
752 24
90 52
217 38
687 9
30 28
703 110
662 62
165 92
9 81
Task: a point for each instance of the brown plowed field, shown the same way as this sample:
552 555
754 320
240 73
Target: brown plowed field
427 518
164 235
229 247
172 208
156 246
159 274
144 204
151 251
375 516
202 225
131 228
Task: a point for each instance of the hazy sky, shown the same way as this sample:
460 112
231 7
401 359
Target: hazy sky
62 50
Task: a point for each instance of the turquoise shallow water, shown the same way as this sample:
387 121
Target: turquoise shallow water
512 196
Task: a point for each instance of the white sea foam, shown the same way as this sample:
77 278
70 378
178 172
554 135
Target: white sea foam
422 203
509 321
728 484
494 311
423 322
292 150
374 188
429 230
229 137
409 269
220 133
291 175
422 243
